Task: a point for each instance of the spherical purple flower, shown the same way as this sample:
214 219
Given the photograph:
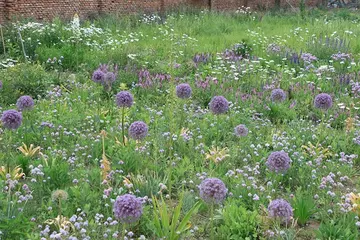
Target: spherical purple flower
11 119
323 101
241 130
213 190
25 103
278 95
124 99
109 78
98 76
280 209
183 90
127 208
219 105
278 162
138 130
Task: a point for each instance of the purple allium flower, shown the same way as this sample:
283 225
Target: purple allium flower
323 101
280 209
278 95
25 103
219 105
124 99
98 76
241 130
183 90
138 130
11 119
278 162
109 78
213 190
127 208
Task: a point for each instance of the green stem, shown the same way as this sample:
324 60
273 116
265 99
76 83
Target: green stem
122 124
212 237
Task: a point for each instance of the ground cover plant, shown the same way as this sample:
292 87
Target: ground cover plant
193 125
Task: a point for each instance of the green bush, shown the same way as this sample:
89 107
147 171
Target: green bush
24 79
238 223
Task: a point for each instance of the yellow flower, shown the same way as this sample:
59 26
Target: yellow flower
61 222
15 174
217 155
29 151
355 200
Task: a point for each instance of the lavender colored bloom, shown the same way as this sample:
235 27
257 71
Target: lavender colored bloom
11 119
280 209
201 58
278 162
138 130
124 99
98 76
274 48
308 57
213 190
323 101
219 105
278 95
1 84
25 103
127 208
241 130
109 78
183 90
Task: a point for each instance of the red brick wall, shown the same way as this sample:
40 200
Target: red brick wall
2 11
47 9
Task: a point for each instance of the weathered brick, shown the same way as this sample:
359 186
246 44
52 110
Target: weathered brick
48 9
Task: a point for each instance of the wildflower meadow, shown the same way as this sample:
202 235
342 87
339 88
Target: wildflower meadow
186 125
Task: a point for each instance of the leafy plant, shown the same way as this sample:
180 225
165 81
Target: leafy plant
340 228
304 206
169 225
238 222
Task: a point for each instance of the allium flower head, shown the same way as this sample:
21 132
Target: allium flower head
183 90
241 130
219 105
25 103
59 195
280 209
278 162
11 119
323 101
213 190
138 130
98 76
278 95
109 78
124 99
127 208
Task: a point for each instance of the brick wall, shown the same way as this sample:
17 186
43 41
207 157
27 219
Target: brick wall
47 9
